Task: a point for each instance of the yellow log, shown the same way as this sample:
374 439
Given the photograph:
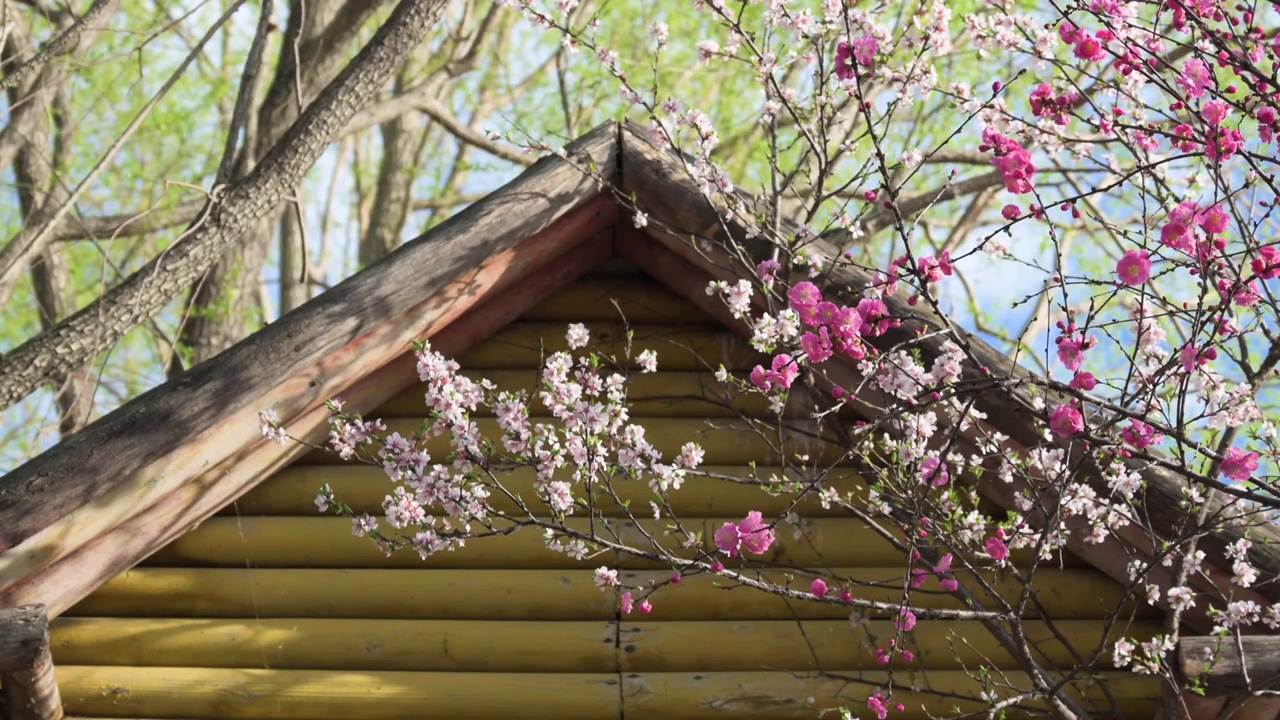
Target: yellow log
339 644
550 646
335 695
283 542
526 594
677 696
617 300
327 542
817 644
660 394
726 442
292 491
524 345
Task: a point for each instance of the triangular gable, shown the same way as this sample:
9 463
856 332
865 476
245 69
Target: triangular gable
96 504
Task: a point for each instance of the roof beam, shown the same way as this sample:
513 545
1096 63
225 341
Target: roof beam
197 436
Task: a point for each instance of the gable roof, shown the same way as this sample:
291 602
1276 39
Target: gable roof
97 503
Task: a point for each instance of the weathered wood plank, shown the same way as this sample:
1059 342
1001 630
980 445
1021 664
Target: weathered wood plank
821 644
26 666
69 579
1231 666
292 491
527 594
779 695
640 300
144 450
336 695
339 644
726 441
524 345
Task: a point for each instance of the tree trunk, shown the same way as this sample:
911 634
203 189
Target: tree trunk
313 49
402 141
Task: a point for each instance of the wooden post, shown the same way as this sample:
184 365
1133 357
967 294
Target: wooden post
27 687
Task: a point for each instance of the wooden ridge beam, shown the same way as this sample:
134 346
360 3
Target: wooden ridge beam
28 690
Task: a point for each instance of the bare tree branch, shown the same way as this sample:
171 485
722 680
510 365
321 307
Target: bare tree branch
228 214
65 42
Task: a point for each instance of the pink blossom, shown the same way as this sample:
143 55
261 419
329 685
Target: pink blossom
1069 33
876 704
826 313
646 607
1192 359
1010 212
906 620
1238 464
756 537
934 472
1140 435
1084 381
728 539
785 369
767 270
816 345
804 295
865 49
950 584
1065 421
1214 220
997 549
818 587
1134 268
1214 112
1013 162
1266 121
1196 77
1089 48
918 578
1071 352
1267 264
627 603
944 564
844 61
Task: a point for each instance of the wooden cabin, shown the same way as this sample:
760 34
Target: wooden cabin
168 562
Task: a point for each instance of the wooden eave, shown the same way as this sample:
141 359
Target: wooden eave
96 504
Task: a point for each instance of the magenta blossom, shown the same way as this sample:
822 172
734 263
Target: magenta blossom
1010 212
818 587
1071 352
804 295
865 49
1215 112
934 472
906 621
1134 268
1140 435
755 534
767 270
1196 78
1089 48
1238 464
816 345
1267 264
628 604
1084 381
844 61
997 549
1065 421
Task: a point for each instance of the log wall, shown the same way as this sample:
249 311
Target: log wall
269 610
